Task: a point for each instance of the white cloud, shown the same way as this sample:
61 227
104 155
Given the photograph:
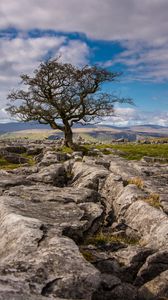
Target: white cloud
140 26
131 116
143 61
75 52
108 19
23 55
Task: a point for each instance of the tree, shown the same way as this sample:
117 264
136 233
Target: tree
62 92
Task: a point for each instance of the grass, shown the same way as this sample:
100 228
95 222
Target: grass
133 151
101 239
31 160
87 255
137 181
65 149
5 165
153 200
129 151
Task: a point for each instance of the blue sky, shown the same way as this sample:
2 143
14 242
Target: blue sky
128 36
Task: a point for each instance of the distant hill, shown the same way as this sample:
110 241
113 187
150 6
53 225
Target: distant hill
102 132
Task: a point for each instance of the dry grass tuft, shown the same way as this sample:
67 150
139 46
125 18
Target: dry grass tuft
153 200
137 181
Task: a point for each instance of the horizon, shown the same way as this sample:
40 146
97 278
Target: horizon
127 37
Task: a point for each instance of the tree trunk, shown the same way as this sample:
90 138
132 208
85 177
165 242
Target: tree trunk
68 136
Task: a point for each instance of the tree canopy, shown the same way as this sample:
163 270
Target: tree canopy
62 92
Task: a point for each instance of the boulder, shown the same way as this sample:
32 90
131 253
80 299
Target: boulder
13 149
89 176
155 289
149 223
52 157
54 174
15 158
111 287
154 265
35 258
131 260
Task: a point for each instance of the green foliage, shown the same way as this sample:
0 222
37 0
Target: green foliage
101 239
66 149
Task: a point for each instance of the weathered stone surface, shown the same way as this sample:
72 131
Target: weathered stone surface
111 287
15 158
44 223
149 223
13 149
129 195
34 258
131 259
8 180
54 174
156 288
90 176
52 157
154 265
34 149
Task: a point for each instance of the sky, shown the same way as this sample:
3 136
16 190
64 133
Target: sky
127 36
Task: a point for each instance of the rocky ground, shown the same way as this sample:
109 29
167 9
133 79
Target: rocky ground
82 227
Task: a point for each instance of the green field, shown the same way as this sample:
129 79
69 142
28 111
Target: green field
133 151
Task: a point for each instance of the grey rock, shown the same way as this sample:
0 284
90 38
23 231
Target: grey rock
131 259
54 174
52 157
34 258
7 180
13 149
112 288
89 176
149 223
156 288
129 195
15 158
154 265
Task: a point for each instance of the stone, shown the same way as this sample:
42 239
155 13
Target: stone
52 157
154 265
89 176
156 288
111 287
54 174
131 260
15 158
129 195
8 180
13 149
35 259
148 223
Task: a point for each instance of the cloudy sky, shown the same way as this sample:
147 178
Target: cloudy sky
128 36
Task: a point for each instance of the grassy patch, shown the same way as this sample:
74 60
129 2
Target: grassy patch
5 165
101 239
153 200
87 255
65 149
137 181
31 159
133 151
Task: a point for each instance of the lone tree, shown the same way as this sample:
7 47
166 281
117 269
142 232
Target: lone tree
60 94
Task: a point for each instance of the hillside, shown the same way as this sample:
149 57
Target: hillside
99 132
